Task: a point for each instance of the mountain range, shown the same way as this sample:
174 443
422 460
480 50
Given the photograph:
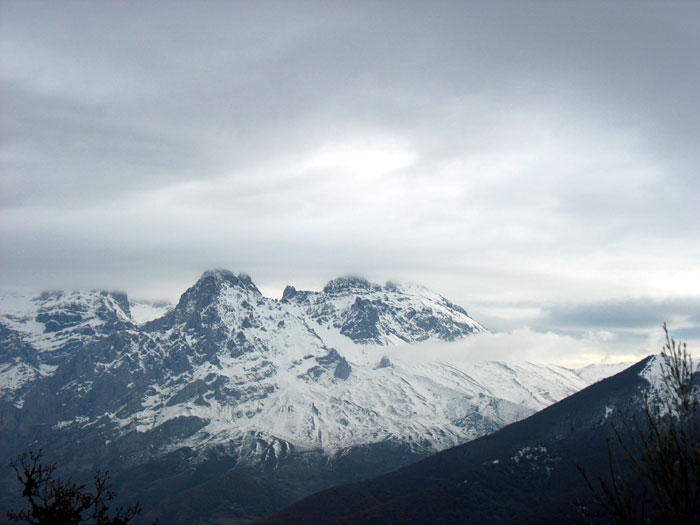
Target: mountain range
230 405
524 473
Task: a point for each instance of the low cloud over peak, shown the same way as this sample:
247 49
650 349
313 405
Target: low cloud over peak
501 154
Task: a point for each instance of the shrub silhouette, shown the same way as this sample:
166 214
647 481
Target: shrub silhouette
56 501
658 453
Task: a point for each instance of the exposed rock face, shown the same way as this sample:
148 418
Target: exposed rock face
39 334
229 373
225 355
369 313
361 323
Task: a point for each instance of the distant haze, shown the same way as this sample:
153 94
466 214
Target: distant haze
535 162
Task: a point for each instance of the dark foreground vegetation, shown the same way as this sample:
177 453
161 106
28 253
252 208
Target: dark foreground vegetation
55 501
654 460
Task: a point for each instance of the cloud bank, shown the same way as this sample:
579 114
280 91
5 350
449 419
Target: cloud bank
524 344
536 163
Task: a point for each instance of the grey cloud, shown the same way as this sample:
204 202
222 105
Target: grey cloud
87 153
251 82
624 314
553 146
691 334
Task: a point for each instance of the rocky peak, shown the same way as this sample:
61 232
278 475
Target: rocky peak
289 292
361 322
210 285
369 313
218 277
197 306
348 285
59 311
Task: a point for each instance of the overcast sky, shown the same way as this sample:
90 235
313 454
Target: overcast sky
538 163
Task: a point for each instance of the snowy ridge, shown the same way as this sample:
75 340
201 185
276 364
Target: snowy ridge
432 406
259 378
145 311
38 333
369 313
659 395
594 373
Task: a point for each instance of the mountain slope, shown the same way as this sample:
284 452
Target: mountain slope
227 365
38 334
300 388
524 473
369 313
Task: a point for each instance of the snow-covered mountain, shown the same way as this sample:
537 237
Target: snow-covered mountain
144 311
232 373
524 473
369 313
37 334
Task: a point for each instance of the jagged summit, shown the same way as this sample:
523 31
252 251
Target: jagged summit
340 286
210 285
217 272
369 313
231 374
118 295
217 277
205 306
79 312
289 292
349 284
